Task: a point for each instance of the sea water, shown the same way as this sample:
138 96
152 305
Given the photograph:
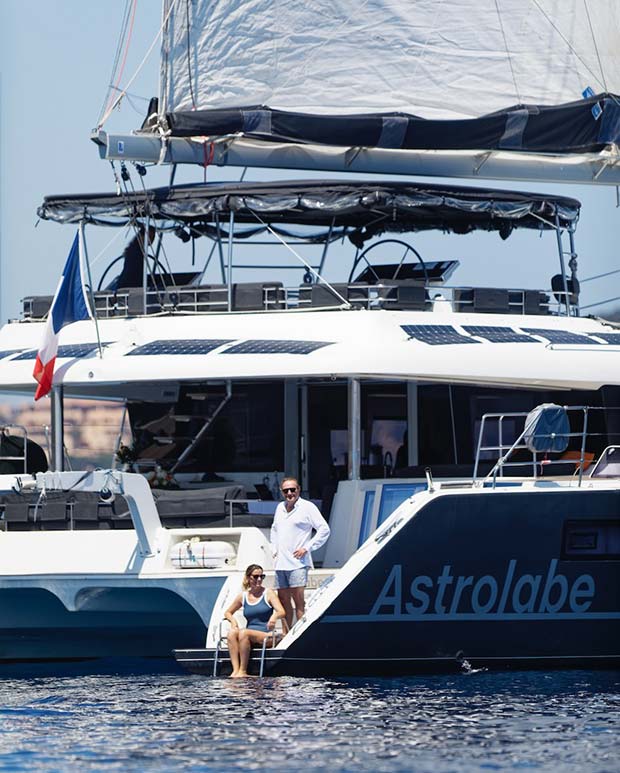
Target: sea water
550 721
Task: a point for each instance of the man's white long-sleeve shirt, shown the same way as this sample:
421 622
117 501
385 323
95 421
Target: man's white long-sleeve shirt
293 530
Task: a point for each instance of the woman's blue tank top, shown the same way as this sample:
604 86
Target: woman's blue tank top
257 614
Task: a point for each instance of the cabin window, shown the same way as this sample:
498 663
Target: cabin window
387 438
393 495
248 434
384 429
591 540
369 502
450 418
327 453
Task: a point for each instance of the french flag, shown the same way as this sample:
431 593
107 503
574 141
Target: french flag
70 304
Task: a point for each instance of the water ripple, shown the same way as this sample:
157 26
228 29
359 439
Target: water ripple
545 721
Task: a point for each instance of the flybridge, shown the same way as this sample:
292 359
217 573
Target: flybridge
223 216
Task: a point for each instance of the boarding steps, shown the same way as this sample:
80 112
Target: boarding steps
215 661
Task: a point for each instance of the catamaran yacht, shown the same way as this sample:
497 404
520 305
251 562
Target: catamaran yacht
462 437
462 441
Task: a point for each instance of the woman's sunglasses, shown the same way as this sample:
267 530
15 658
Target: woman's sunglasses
257 576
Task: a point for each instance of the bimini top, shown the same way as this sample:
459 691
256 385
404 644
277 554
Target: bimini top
380 206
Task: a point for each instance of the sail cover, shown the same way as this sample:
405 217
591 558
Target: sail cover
378 206
449 74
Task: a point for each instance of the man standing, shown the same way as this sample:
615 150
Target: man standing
292 542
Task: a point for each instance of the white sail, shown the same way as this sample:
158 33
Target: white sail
493 89
437 59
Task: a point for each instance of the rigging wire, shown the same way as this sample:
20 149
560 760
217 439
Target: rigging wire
312 270
131 97
127 43
105 249
189 63
123 192
514 77
139 68
126 178
568 43
598 56
160 246
117 56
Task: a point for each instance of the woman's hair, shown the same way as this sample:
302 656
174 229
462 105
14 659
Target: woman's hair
248 572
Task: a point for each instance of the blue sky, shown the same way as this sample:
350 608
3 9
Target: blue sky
55 63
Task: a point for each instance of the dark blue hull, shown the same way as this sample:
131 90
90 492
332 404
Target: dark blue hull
499 578
510 579
200 661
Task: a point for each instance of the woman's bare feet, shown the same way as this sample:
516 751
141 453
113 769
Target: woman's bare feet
239 674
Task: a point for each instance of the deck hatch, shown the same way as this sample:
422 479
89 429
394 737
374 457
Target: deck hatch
267 346
560 336
178 346
498 335
437 335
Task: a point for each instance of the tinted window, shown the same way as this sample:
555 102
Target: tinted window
591 540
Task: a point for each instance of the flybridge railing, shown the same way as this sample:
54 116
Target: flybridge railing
605 277
410 295
514 443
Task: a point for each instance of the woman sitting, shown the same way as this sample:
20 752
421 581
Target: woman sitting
261 609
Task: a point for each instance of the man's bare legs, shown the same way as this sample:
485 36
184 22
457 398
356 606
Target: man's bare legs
288 597
285 596
299 601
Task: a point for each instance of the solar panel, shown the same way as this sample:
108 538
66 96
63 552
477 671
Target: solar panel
267 346
178 346
560 336
8 353
437 335
66 351
30 354
77 350
611 338
498 335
